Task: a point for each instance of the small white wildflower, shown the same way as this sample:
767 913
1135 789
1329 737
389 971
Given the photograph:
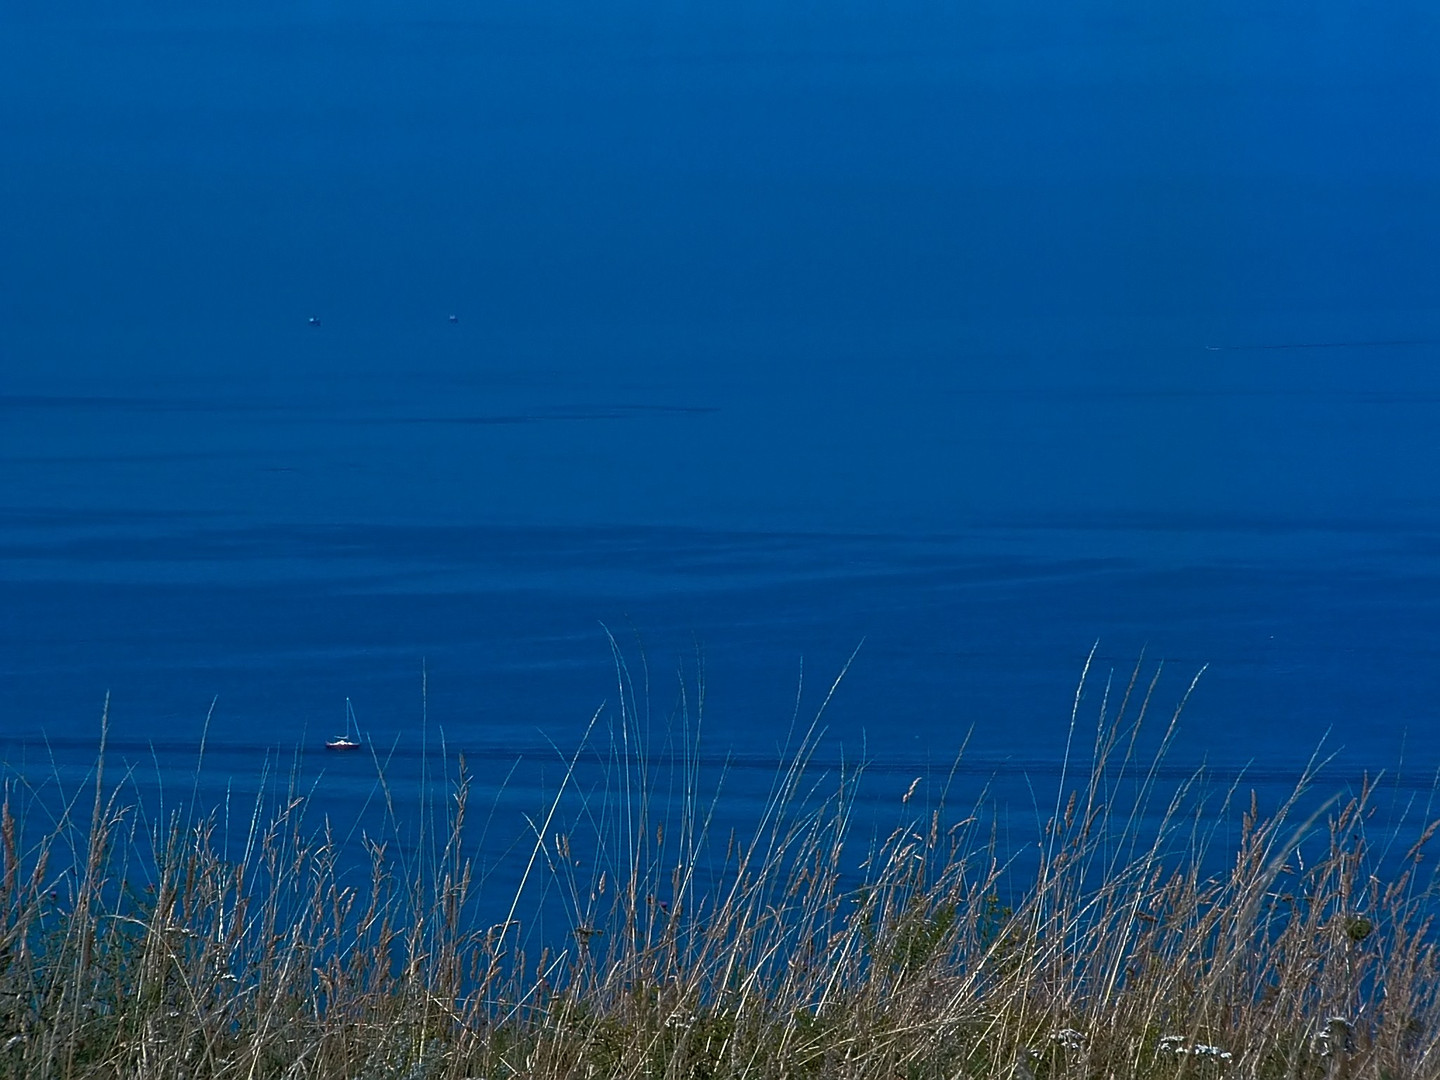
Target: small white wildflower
1175 1044
1335 1036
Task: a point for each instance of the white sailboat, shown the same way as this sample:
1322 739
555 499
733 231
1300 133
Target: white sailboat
352 727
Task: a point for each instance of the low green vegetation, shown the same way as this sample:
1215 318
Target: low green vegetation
1105 946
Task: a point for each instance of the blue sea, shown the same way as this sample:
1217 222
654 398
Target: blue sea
491 365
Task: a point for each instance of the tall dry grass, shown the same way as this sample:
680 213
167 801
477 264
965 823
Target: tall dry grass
1124 939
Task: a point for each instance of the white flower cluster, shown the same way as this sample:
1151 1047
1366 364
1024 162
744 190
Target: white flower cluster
1069 1038
1175 1044
1336 1036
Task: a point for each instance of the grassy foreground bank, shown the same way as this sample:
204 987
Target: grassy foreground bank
1106 946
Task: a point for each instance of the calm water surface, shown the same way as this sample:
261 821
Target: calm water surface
958 334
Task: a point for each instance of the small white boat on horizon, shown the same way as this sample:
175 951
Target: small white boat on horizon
352 727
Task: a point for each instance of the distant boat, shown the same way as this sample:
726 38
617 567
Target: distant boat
314 320
454 318
352 727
